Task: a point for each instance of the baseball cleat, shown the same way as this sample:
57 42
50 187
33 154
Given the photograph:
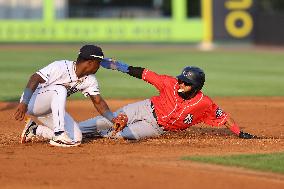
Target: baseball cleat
29 131
63 140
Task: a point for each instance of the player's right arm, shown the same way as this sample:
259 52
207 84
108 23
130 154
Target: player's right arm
45 76
32 84
232 125
138 72
215 116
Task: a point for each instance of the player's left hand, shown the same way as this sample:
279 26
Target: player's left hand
120 122
244 135
21 111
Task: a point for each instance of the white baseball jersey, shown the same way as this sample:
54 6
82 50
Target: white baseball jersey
63 73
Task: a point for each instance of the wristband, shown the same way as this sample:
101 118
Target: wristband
27 96
235 129
109 115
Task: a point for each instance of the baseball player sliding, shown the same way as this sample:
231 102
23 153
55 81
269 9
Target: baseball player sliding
45 97
179 105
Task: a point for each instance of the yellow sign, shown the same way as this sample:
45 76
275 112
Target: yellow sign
239 13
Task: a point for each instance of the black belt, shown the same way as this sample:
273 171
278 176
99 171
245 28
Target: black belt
154 113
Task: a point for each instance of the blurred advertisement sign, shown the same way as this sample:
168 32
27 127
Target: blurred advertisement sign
52 21
233 19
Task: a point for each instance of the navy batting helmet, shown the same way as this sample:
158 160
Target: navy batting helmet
193 76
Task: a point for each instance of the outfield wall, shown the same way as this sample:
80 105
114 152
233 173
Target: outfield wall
220 20
233 20
175 29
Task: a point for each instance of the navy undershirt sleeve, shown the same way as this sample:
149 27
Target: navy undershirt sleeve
135 71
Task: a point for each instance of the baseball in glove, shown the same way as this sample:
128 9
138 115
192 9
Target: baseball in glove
119 122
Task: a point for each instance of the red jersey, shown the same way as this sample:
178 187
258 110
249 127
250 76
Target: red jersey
176 113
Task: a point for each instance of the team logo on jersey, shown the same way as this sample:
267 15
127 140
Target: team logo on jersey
188 119
74 89
219 113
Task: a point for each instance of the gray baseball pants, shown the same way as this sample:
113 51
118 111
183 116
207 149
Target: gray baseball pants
141 123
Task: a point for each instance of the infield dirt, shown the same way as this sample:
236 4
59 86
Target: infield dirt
150 163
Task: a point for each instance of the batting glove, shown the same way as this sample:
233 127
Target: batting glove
244 135
113 64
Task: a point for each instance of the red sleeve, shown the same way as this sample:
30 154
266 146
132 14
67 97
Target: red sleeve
154 78
215 116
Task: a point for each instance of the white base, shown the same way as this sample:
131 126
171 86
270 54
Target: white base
53 143
206 46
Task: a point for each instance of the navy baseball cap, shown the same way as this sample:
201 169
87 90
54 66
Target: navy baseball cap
91 52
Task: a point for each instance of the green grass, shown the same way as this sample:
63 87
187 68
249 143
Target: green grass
230 73
263 162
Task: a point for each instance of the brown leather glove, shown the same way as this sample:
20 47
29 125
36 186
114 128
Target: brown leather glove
119 122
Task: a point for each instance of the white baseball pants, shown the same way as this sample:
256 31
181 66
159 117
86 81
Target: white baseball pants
48 105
